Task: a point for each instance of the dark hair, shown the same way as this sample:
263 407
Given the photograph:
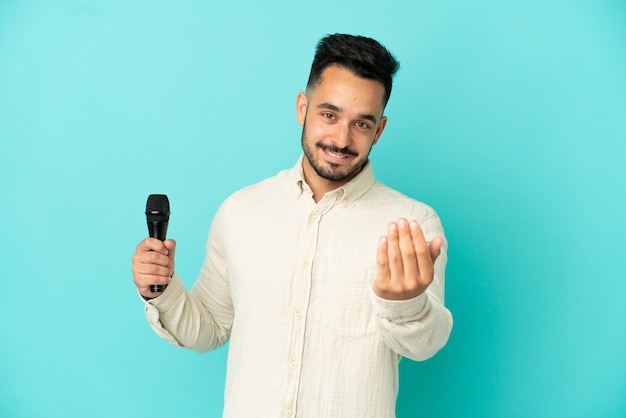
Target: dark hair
364 57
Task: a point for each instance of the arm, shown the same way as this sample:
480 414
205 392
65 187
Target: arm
199 319
408 292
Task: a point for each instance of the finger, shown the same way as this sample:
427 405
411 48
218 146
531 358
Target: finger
146 289
383 274
150 276
152 244
394 254
425 263
151 270
151 257
170 245
407 249
144 285
143 282
147 274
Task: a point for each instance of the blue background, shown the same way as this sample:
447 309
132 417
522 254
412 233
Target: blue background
508 117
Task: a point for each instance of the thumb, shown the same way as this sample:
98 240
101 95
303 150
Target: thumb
435 247
170 244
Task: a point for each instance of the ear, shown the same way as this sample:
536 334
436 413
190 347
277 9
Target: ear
301 106
380 129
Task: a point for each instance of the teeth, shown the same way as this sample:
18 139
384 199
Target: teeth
332 154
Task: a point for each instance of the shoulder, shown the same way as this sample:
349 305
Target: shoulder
261 193
249 209
384 197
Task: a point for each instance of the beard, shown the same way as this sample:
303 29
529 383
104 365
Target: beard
330 171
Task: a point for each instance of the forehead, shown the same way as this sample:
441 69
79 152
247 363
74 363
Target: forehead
342 88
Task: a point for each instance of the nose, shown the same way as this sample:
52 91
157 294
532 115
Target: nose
343 137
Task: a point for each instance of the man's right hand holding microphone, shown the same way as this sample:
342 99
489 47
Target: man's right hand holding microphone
153 263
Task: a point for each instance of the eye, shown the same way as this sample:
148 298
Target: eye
362 125
327 115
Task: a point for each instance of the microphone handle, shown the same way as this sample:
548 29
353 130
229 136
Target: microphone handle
158 230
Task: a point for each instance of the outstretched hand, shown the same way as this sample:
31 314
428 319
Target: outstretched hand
405 261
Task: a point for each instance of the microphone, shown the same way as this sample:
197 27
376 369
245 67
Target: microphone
158 216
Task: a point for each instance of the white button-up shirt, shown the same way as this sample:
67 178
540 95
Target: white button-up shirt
289 282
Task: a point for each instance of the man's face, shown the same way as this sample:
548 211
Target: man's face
341 120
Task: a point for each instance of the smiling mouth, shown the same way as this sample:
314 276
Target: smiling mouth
336 156
337 153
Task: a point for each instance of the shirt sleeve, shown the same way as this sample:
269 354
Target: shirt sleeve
199 319
417 328
153 315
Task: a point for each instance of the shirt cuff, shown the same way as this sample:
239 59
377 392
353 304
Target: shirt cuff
162 303
398 310
170 295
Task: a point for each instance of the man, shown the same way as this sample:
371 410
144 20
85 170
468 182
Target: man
316 275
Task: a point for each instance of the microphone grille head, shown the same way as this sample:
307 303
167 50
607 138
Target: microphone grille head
158 208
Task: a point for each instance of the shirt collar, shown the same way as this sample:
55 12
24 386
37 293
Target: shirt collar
347 193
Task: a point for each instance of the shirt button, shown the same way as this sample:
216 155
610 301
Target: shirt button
313 218
344 202
293 365
288 412
298 315
305 263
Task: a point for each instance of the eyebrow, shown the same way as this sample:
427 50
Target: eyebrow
334 108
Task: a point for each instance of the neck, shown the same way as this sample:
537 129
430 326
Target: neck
320 185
